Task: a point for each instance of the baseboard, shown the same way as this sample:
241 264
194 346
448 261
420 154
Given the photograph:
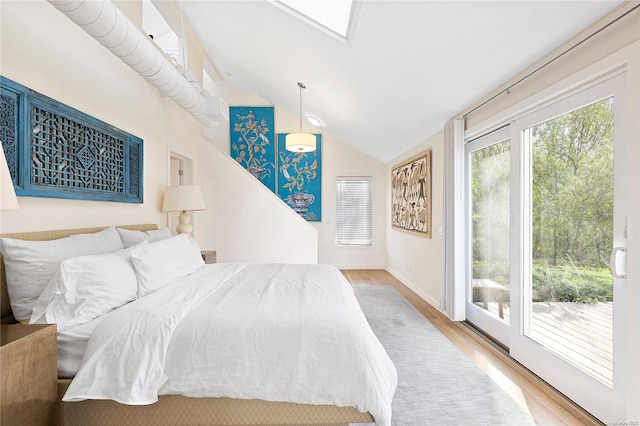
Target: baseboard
417 290
360 266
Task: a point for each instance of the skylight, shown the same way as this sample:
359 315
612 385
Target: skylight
334 15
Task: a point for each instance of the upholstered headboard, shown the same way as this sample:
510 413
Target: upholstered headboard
7 315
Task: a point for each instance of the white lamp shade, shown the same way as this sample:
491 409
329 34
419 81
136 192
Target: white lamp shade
300 142
8 200
183 198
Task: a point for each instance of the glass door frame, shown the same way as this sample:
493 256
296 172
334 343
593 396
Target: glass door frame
603 402
626 60
495 327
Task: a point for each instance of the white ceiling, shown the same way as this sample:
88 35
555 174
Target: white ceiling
408 67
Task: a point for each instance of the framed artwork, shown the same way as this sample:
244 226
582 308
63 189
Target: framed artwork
411 195
300 179
252 142
54 150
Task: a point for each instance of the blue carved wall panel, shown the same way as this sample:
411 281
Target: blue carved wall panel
295 177
54 150
252 142
300 179
9 127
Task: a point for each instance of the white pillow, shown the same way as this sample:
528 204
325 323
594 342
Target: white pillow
31 264
156 235
131 238
163 262
86 287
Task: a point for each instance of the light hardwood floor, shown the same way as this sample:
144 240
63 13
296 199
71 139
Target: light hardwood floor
545 404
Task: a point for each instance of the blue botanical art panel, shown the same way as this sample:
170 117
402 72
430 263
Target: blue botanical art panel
252 142
300 179
54 150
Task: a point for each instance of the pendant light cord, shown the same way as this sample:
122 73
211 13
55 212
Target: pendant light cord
302 86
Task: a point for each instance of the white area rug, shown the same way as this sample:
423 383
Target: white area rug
437 383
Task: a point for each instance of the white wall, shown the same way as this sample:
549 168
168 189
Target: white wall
405 253
243 221
267 232
341 160
43 50
621 34
58 59
338 159
415 260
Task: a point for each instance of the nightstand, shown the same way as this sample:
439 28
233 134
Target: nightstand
209 256
29 380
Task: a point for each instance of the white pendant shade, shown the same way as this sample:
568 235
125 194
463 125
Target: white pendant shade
300 142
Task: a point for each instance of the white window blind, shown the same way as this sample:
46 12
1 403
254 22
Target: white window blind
355 211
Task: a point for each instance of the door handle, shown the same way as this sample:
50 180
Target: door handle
613 263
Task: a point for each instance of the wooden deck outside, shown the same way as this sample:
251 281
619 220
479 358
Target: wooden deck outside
579 333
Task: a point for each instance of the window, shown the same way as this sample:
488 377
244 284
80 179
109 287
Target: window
355 211
334 15
161 32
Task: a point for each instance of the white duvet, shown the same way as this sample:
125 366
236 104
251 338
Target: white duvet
275 332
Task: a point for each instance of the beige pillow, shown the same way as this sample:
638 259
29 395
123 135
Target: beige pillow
132 238
30 265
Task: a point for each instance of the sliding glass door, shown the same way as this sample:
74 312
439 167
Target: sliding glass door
546 220
568 307
488 180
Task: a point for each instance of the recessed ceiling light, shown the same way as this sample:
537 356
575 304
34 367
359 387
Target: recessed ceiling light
313 120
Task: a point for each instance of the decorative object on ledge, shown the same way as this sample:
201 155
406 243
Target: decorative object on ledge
300 178
300 142
252 142
105 22
411 195
183 199
56 151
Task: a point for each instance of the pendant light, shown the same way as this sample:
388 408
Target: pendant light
300 142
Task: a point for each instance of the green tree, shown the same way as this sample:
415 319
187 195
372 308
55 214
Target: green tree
572 206
490 211
572 158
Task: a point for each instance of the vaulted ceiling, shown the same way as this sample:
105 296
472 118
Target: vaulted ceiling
407 67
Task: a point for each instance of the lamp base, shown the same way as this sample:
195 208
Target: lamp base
184 227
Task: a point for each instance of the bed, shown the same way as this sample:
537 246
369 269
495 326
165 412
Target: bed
235 301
